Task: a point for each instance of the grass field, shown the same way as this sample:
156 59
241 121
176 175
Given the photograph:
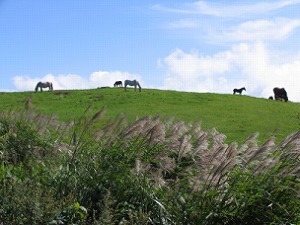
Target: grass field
236 116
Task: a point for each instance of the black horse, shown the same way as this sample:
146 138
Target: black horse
118 84
239 90
280 93
40 85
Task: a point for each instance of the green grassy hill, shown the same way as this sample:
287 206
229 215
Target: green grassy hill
236 116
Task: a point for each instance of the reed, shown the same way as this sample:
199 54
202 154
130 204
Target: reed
149 171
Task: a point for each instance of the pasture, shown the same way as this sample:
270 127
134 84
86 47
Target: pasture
236 116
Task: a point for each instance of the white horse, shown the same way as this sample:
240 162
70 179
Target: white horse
42 85
132 83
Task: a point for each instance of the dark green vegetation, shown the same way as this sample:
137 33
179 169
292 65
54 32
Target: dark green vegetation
236 116
153 170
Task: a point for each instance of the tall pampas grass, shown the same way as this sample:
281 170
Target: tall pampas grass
162 170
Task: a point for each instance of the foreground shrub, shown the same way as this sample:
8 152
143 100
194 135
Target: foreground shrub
147 172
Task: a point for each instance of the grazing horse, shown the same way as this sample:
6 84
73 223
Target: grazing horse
239 90
132 83
42 85
118 84
280 93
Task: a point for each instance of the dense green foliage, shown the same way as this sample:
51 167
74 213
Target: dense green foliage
149 171
233 115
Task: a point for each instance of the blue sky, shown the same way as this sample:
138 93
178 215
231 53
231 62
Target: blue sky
199 46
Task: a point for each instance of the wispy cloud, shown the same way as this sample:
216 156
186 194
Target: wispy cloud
182 24
226 10
259 30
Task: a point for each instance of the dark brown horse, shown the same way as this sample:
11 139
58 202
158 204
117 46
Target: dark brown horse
239 90
42 85
118 84
280 93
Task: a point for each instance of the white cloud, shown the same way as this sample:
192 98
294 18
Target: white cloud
226 10
182 24
260 30
250 65
73 81
193 65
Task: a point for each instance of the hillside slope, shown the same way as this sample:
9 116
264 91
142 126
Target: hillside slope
236 116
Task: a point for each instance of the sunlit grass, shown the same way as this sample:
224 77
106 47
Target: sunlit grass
234 115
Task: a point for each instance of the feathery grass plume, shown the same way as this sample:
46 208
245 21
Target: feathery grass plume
264 166
149 125
261 152
196 132
288 154
175 133
132 130
111 131
219 173
64 148
294 171
99 114
158 180
290 146
166 163
247 147
214 167
156 120
201 142
217 138
185 147
249 142
138 166
157 134
169 122
196 129
180 128
231 152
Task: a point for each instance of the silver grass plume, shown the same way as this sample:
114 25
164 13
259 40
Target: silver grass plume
185 147
157 134
99 114
260 153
